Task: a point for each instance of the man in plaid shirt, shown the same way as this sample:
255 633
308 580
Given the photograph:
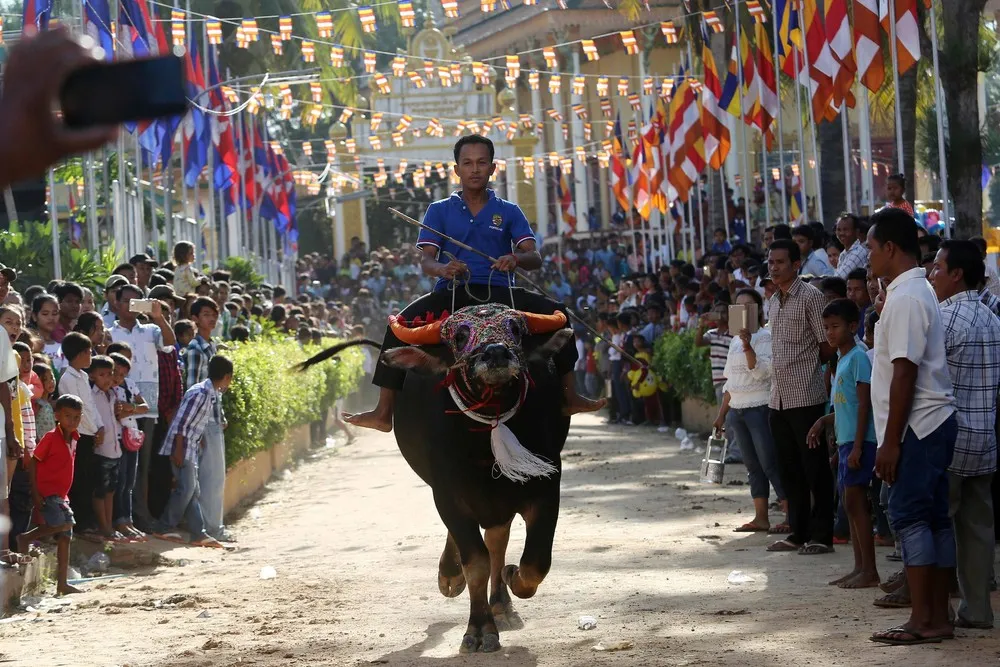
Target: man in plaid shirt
798 400
972 346
200 410
855 255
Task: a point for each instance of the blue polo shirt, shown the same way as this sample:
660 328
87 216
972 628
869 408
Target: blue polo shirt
496 230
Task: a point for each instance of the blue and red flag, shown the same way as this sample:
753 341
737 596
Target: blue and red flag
196 130
37 13
226 177
97 22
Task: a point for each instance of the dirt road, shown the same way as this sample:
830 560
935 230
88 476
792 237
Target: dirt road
354 540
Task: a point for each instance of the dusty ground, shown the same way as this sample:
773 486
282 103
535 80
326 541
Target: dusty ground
355 540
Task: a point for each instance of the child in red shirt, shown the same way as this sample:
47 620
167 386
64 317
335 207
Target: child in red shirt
51 474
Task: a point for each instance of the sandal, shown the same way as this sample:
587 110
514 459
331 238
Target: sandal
209 542
815 549
781 529
8 557
170 537
893 601
893 583
750 527
901 636
784 545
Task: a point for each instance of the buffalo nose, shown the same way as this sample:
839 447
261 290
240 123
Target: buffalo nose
496 353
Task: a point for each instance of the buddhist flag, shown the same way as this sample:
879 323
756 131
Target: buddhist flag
822 66
565 197
766 82
838 32
728 100
789 37
868 44
907 32
620 185
713 123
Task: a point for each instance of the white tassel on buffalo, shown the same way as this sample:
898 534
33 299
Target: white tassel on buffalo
513 460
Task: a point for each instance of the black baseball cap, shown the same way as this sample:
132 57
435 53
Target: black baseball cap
143 258
8 273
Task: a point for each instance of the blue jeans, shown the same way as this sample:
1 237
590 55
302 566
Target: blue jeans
750 427
127 473
732 439
918 501
212 477
183 502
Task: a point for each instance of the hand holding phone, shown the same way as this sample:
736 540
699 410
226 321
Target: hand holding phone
32 138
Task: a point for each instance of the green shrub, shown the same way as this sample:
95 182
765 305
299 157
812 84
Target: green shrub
683 366
268 398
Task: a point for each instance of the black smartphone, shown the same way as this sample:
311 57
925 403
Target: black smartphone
119 92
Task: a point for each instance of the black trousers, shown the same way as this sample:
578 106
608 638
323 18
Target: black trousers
805 474
439 301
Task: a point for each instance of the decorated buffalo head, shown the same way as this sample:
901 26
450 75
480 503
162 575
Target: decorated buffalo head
484 340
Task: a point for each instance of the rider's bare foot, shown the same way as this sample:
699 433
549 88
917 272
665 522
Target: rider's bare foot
370 419
577 403
66 589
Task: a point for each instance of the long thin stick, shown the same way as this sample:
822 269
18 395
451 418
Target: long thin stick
520 274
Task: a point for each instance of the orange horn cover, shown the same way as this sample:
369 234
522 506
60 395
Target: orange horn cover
428 334
538 324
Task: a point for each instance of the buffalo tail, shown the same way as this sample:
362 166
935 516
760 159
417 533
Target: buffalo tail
333 351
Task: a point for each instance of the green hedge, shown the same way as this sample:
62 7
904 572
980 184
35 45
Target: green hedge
267 398
683 366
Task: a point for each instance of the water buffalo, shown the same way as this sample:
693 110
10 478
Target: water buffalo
480 421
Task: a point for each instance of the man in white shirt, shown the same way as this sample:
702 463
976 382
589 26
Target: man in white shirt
145 340
915 425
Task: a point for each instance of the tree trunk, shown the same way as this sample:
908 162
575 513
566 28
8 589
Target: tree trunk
829 136
959 77
907 99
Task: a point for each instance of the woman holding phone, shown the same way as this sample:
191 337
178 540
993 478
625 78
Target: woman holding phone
744 411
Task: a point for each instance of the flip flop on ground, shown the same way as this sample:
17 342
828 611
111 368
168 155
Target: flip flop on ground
210 542
170 537
784 545
901 636
815 549
781 529
750 527
895 600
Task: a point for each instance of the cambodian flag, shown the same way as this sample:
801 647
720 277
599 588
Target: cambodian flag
262 156
97 18
197 133
226 177
246 148
37 13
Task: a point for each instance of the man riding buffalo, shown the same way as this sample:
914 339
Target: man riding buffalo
477 217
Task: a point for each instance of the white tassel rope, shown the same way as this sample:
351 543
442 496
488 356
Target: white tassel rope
513 460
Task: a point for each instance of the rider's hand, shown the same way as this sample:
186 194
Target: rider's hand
506 263
32 137
453 269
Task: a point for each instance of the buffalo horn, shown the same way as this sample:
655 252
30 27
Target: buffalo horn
538 324
428 334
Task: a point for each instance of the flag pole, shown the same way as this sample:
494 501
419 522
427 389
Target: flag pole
895 83
766 177
812 130
781 136
743 124
865 149
725 202
845 122
214 231
54 221
939 107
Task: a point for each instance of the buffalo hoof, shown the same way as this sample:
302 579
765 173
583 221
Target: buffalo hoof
507 620
470 644
508 573
491 643
451 586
